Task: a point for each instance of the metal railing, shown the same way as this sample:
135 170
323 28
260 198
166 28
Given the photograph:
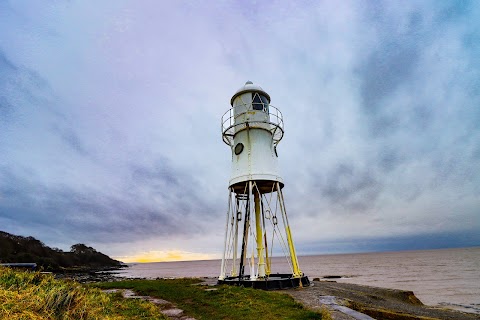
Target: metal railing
251 118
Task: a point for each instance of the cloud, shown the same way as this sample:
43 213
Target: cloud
356 191
154 202
18 87
110 119
423 241
162 256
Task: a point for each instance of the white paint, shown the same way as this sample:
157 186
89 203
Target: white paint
256 127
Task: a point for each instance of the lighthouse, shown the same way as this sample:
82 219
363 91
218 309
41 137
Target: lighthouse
257 225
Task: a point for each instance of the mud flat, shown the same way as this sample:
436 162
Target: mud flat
350 301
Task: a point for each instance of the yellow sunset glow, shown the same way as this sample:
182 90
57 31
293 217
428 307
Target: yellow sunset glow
164 256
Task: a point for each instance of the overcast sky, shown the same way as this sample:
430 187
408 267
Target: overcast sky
110 121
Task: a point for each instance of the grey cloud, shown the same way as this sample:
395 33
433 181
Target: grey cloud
350 187
386 69
391 66
476 151
23 93
393 243
180 186
159 176
70 137
389 159
6 109
453 10
374 122
22 90
6 66
102 216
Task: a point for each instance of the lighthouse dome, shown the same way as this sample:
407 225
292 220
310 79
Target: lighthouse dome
249 87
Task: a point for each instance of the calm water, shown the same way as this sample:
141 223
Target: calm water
447 277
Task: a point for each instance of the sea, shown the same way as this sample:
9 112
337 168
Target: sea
448 278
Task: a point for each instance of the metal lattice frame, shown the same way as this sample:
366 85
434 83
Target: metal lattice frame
275 225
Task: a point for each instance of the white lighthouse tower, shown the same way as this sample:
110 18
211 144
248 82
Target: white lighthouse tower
256 218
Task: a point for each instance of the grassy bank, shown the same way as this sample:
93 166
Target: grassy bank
222 302
31 295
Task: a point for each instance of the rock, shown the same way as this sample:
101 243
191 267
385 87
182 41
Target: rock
172 312
158 301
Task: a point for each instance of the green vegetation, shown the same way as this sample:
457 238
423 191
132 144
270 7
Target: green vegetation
15 248
31 295
222 302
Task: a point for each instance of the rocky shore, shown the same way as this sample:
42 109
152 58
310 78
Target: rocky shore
375 303
89 275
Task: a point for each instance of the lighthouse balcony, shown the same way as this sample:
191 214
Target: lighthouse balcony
250 115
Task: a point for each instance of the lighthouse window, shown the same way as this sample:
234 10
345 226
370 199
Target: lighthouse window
259 102
238 148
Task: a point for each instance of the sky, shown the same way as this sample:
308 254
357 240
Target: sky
110 131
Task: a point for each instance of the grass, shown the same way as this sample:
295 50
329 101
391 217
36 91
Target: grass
31 295
224 302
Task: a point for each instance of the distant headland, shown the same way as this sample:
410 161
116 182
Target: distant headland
80 258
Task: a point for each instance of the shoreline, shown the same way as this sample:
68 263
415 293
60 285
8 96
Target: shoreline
377 302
